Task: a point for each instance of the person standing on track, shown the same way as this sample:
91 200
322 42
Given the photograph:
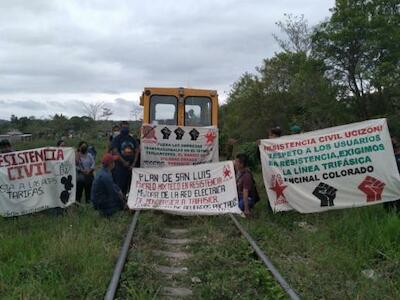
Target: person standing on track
106 195
126 148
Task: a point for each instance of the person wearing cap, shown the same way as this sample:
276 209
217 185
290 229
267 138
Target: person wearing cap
123 176
295 129
106 195
126 148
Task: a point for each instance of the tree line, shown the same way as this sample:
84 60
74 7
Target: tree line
343 70
59 126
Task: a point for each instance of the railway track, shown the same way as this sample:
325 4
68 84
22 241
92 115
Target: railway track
173 292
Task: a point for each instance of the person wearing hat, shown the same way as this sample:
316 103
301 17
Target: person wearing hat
295 129
126 148
107 196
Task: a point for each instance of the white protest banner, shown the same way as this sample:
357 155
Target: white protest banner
206 189
165 145
37 179
340 167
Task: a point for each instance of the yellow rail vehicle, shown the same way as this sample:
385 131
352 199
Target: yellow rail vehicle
180 106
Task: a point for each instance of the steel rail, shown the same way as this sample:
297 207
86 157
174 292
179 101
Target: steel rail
267 262
119 266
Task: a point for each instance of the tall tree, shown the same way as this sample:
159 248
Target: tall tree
97 111
297 34
299 92
359 45
59 125
289 88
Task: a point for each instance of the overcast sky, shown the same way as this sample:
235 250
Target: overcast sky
57 55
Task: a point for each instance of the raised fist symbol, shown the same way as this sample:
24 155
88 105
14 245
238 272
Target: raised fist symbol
373 188
325 193
166 133
67 182
179 132
194 134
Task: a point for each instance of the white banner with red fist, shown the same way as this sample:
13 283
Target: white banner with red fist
36 179
206 189
165 145
340 167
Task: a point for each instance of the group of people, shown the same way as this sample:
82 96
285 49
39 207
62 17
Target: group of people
106 188
111 184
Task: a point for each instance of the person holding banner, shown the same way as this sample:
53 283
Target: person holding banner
106 195
273 133
61 143
245 184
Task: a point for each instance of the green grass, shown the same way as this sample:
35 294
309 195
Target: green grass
48 256
227 265
328 263
45 256
140 279
223 261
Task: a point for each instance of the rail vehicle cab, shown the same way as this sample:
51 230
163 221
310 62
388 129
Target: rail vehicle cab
180 106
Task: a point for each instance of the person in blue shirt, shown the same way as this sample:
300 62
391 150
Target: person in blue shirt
126 148
106 195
